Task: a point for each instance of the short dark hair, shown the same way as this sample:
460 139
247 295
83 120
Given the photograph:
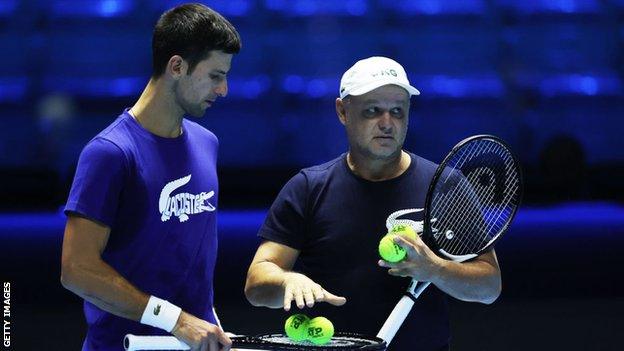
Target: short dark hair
191 31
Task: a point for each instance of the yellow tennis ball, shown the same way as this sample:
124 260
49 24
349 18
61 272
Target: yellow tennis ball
390 251
320 330
404 230
295 326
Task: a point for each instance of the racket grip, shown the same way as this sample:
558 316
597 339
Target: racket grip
136 342
395 320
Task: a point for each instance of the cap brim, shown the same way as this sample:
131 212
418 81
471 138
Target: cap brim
374 85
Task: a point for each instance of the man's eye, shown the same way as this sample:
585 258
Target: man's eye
371 111
216 77
398 112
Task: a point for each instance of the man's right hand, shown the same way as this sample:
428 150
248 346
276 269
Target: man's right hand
200 335
306 292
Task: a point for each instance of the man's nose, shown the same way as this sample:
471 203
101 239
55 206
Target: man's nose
222 88
385 121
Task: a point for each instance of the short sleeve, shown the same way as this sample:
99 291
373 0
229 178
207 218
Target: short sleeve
98 182
285 222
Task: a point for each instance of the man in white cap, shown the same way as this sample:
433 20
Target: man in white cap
328 220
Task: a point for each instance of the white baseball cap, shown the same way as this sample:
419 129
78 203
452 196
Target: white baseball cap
372 73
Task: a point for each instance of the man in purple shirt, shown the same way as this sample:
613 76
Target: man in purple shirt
140 241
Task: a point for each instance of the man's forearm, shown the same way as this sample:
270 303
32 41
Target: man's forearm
104 287
264 286
477 281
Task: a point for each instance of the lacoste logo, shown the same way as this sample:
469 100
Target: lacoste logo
183 204
156 310
393 220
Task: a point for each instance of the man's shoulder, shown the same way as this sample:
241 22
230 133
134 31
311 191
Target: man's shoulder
196 130
423 164
314 176
323 170
117 133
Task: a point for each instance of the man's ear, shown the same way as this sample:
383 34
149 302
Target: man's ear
340 111
177 66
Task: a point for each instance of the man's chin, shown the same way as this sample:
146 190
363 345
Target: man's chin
383 153
196 113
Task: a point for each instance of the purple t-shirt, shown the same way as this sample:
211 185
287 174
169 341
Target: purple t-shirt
336 219
159 197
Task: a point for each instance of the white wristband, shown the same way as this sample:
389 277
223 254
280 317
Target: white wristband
161 314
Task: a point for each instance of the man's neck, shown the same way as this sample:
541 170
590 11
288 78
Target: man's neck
378 170
156 112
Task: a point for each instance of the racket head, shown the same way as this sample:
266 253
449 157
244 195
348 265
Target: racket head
472 198
340 341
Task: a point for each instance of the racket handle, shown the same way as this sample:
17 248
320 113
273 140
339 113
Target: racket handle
395 320
135 342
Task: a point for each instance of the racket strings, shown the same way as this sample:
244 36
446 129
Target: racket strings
476 211
485 195
495 209
456 203
340 341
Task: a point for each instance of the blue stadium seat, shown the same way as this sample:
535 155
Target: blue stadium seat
14 73
249 77
449 59
618 4
549 7
98 63
310 61
302 8
88 9
247 137
568 58
478 85
17 132
436 126
435 7
228 8
562 46
589 84
8 8
310 134
596 122
432 48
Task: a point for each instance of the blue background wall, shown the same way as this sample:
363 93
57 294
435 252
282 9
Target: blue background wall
547 76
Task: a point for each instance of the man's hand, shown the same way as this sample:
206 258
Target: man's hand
200 335
420 263
475 280
306 292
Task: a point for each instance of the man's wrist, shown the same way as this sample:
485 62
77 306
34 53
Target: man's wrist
161 314
438 270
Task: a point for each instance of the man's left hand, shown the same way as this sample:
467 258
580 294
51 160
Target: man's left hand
420 263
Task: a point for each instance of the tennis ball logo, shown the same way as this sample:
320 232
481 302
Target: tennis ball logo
405 230
390 251
296 326
320 330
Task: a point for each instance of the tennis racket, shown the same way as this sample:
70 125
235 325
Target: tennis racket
340 341
471 201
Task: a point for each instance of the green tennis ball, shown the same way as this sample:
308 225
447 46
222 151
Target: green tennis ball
295 326
390 251
404 230
320 330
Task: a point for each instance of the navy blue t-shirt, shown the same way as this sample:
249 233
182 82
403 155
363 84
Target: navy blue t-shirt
336 219
159 198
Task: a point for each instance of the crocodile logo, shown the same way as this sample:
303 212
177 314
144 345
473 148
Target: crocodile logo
182 205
